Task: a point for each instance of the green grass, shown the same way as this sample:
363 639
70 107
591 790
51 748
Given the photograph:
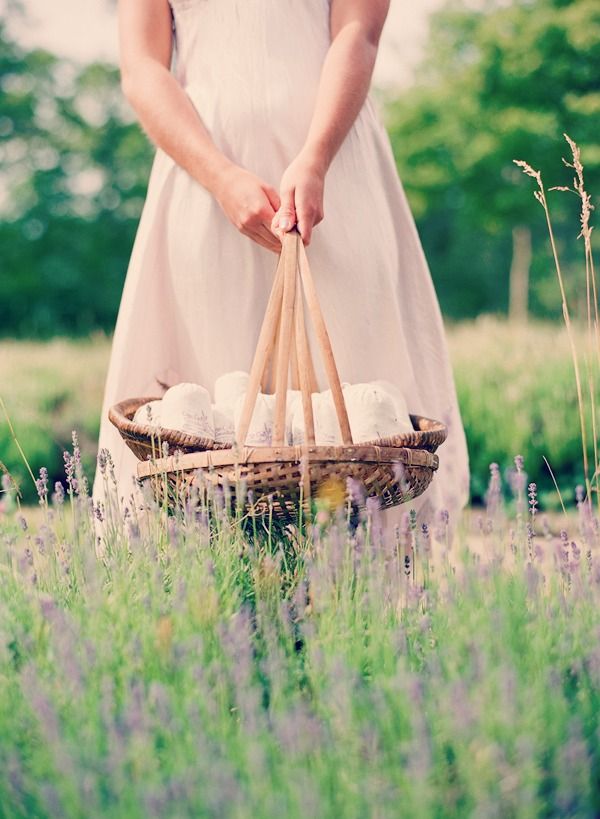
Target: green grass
517 394
515 386
49 390
194 670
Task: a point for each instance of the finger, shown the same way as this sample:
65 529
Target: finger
261 239
266 233
285 218
256 223
272 196
305 226
255 237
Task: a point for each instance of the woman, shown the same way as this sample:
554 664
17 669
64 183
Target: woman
265 123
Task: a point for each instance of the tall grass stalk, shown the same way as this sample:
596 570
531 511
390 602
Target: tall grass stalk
592 354
593 325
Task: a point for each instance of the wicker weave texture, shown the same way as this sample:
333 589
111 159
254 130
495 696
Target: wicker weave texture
277 486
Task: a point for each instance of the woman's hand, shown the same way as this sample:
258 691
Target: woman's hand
249 204
301 189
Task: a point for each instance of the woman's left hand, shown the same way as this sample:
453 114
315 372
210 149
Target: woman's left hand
301 192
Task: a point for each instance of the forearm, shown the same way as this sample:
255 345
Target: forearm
343 88
356 26
169 118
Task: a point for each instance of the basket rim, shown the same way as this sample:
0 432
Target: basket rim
118 416
234 456
435 432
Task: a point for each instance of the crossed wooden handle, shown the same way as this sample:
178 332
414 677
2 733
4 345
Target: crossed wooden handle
283 343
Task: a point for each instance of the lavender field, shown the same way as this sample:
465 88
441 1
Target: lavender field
207 664
197 665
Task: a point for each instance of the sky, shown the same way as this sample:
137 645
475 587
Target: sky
86 30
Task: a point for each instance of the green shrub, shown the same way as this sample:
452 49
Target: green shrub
517 395
50 390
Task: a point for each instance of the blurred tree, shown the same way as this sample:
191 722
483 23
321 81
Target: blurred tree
73 166
501 81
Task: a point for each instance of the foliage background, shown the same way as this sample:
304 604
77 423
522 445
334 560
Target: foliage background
498 81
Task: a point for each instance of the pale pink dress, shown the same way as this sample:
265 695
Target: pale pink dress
196 289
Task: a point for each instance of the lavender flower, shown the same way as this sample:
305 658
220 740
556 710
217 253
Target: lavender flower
442 524
493 495
533 501
58 497
76 447
41 486
106 465
373 504
70 466
425 539
356 490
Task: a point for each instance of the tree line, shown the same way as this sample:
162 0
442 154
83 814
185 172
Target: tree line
498 82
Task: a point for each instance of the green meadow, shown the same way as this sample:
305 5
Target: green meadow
515 385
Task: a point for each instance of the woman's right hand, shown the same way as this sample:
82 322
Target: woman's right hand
249 204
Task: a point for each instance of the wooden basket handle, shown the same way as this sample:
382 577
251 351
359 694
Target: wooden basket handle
264 347
284 327
324 342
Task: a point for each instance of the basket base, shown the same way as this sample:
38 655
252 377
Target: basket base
280 487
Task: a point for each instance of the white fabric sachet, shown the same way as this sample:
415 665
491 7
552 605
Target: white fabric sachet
404 424
260 431
187 408
229 387
371 412
293 400
327 428
224 424
149 414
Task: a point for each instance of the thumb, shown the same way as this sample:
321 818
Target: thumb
285 218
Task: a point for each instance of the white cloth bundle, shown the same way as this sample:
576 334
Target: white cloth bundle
187 408
149 414
327 428
229 387
293 400
371 412
403 422
224 423
376 410
260 431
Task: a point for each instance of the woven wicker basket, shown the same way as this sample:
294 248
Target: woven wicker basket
146 441
281 477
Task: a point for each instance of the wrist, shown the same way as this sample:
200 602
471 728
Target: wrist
217 172
316 157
